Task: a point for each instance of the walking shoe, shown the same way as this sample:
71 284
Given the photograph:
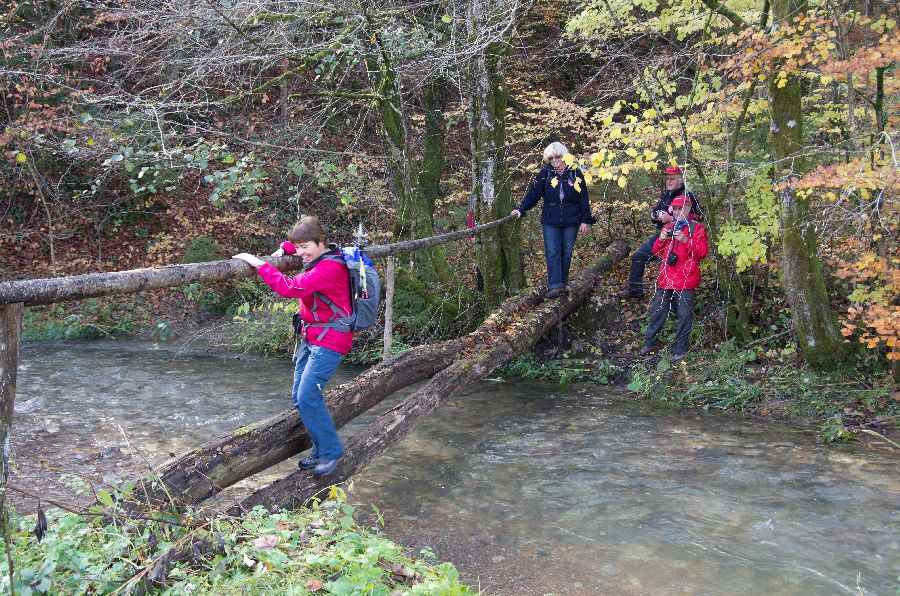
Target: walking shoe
645 350
554 293
308 463
677 357
325 467
630 294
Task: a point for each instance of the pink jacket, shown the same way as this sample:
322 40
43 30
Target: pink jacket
323 276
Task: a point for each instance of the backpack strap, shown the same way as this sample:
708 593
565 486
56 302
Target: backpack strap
339 320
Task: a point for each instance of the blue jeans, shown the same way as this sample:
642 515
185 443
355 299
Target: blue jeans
315 366
558 245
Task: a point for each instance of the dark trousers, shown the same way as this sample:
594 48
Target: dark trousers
640 258
559 242
659 309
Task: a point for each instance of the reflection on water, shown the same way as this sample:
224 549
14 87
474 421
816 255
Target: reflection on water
529 487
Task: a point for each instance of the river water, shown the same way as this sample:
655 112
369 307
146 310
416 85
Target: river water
526 487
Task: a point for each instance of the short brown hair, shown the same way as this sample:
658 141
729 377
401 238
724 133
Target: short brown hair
307 229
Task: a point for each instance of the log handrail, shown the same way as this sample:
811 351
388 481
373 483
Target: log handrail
34 292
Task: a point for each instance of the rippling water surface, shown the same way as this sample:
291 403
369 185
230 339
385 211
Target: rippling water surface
527 487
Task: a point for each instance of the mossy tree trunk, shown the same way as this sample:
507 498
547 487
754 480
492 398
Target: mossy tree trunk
802 277
414 182
500 252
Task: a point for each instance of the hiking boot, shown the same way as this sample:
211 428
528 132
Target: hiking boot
630 294
554 293
645 350
308 463
325 467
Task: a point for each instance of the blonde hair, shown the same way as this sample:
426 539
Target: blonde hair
553 150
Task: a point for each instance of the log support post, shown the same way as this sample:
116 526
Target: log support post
10 332
390 274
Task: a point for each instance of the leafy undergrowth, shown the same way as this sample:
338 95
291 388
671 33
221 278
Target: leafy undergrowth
843 403
320 549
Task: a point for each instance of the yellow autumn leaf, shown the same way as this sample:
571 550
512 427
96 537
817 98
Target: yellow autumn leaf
615 133
555 182
21 158
650 155
650 114
631 152
864 193
588 179
577 186
569 159
695 145
622 182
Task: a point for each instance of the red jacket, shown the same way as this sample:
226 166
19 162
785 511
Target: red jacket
685 275
327 277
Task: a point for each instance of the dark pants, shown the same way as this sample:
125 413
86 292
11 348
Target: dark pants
559 242
659 309
640 258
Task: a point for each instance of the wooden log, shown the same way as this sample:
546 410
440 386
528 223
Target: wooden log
205 470
33 292
10 332
504 338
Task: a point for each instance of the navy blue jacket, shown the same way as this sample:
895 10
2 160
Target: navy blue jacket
574 209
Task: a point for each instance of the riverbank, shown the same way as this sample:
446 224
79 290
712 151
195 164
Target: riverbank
321 548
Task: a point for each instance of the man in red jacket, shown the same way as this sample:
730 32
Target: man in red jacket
681 245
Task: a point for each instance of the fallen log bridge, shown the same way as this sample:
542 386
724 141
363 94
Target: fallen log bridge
515 327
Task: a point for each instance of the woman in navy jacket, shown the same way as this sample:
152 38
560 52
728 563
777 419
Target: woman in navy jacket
565 212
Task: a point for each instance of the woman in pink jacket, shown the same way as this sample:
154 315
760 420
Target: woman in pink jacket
324 282
681 245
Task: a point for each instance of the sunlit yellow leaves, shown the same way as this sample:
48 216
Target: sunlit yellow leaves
649 114
588 178
569 159
577 185
650 155
21 158
622 181
554 182
631 152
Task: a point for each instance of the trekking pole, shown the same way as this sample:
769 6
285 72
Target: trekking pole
360 243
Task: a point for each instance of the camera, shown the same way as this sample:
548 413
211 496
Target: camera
672 259
670 233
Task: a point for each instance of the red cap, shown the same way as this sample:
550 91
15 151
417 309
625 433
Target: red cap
679 201
674 171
